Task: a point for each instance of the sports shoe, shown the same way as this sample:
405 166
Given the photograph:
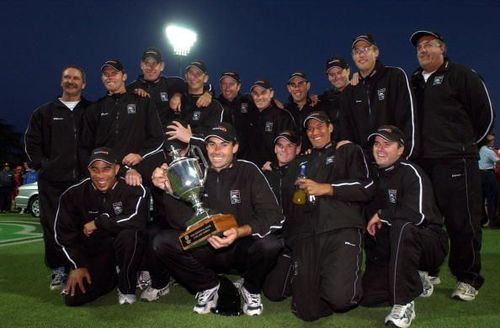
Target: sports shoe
464 292
151 294
59 277
143 280
126 298
427 286
252 303
435 280
206 300
401 315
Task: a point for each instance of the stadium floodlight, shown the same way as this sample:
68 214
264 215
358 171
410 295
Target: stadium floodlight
182 39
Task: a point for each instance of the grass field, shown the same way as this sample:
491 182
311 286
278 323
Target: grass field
25 299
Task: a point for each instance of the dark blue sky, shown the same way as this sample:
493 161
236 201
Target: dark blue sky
257 38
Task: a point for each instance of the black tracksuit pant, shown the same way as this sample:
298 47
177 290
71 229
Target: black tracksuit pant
49 193
125 251
197 269
327 275
457 187
393 258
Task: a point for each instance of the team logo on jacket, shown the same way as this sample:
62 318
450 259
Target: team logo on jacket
118 208
438 80
269 127
381 93
131 108
235 197
393 195
196 115
163 96
244 108
330 160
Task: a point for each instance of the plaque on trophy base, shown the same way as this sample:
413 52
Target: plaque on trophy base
196 235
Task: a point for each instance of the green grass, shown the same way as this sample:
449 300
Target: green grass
25 301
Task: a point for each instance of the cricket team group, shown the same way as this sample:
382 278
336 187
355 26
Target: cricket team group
381 171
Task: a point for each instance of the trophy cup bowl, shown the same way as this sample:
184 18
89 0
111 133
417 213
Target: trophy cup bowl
187 180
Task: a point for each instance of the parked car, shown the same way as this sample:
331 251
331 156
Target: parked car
27 199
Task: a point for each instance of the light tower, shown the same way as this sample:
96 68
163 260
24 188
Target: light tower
182 40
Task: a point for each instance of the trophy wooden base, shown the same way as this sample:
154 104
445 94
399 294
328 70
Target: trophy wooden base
197 234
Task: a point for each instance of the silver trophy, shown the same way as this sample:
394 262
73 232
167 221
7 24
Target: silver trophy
187 180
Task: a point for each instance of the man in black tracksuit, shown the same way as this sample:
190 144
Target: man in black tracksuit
51 141
299 104
235 187
99 227
382 96
326 233
125 122
405 238
267 122
454 115
237 109
160 88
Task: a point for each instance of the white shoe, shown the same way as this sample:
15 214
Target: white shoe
143 280
59 278
427 286
126 298
206 300
464 292
252 303
401 315
435 280
151 294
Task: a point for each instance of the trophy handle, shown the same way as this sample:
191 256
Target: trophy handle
199 153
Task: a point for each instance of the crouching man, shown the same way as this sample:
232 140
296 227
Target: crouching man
99 226
405 231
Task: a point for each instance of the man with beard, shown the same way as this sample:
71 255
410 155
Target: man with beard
51 141
455 114
382 96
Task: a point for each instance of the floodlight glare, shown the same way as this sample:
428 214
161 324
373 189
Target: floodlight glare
182 39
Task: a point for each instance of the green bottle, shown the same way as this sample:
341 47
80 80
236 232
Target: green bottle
299 195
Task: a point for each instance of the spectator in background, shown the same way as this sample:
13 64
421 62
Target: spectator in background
29 175
488 160
6 186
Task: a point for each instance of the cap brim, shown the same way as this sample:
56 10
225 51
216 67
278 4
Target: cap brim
311 117
100 159
284 137
229 76
418 34
373 135
109 65
216 136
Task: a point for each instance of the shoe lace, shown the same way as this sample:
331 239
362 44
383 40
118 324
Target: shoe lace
204 296
398 311
252 299
466 288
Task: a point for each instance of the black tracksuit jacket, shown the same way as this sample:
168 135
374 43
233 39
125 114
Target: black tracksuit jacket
201 119
51 141
383 97
347 171
124 122
299 116
454 111
404 192
160 91
121 207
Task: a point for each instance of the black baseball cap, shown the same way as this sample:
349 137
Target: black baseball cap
223 131
298 74
389 133
235 76
261 83
336 61
152 53
113 63
104 154
289 135
199 65
318 116
418 34
367 37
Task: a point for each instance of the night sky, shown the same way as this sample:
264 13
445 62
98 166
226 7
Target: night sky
257 38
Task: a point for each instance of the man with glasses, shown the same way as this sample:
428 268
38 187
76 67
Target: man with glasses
455 114
382 96
299 104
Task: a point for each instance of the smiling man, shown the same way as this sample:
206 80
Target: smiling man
455 114
325 235
51 141
235 187
99 227
405 236
382 96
